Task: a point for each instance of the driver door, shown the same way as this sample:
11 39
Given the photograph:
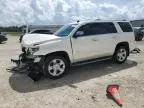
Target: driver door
83 44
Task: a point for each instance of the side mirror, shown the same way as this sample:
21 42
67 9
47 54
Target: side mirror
79 33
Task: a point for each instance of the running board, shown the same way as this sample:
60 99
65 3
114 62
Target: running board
92 61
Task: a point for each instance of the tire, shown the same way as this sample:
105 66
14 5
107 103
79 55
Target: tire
139 38
121 54
56 66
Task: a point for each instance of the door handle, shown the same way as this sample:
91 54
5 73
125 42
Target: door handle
114 37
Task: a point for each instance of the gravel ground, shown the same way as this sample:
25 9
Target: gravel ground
82 87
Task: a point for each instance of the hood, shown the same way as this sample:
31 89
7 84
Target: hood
30 39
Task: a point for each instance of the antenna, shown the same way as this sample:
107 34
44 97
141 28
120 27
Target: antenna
98 19
78 21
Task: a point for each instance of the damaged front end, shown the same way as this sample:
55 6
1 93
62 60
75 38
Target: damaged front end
30 63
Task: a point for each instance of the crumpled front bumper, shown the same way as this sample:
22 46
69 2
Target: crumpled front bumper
25 61
33 66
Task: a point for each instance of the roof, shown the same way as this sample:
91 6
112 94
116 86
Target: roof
89 21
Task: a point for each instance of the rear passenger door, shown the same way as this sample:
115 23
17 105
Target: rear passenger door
105 38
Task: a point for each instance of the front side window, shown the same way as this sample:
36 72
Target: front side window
65 30
125 26
98 28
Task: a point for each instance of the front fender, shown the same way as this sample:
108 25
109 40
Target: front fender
55 46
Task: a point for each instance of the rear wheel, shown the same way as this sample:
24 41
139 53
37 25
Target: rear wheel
56 66
121 54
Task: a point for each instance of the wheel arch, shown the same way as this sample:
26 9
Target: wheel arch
59 53
126 44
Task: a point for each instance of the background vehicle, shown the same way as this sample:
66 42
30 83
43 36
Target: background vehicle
138 26
37 32
78 43
41 32
139 33
47 29
3 37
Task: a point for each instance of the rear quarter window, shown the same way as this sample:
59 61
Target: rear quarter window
125 26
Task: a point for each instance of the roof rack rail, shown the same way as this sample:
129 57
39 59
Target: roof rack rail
98 19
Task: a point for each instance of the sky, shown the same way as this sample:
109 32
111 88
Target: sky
44 12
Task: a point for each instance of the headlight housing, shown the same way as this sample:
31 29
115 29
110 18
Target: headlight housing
35 49
32 50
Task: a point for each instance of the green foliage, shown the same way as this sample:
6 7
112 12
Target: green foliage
13 33
11 29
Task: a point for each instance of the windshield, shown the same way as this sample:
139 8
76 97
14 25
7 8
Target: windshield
65 30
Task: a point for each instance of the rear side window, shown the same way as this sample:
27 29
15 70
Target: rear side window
125 26
98 28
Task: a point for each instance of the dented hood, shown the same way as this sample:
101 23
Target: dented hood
31 39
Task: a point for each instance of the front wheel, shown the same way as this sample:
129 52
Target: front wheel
120 55
56 66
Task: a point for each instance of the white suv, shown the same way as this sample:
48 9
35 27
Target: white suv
77 43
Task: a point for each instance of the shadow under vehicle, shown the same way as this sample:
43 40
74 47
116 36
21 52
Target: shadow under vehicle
20 82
